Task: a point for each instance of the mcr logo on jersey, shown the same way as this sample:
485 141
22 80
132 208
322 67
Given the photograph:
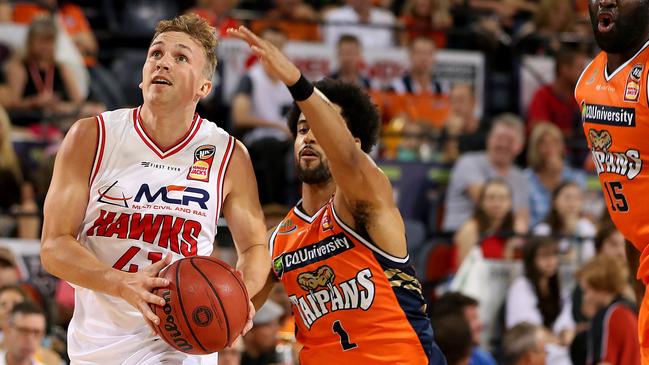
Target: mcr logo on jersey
324 296
627 164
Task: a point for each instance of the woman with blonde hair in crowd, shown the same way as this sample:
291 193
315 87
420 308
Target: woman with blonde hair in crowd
547 168
16 196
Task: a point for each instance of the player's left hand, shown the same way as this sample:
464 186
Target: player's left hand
251 314
274 61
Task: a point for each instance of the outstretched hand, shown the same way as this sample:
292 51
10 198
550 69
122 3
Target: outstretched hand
275 62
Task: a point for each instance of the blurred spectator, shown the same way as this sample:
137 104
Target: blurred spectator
420 79
413 145
5 11
524 344
5 91
40 84
490 226
296 18
612 334
566 223
453 336
457 303
555 102
71 18
551 21
608 242
217 14
547 168
231 355
9 273
350 62
504 142
372 25
16 197
426 18
260 343
23 332
536 297
10 295
463 130
260 105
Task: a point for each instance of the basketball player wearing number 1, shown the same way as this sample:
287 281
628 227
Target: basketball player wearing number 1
613 94
134 189
341 252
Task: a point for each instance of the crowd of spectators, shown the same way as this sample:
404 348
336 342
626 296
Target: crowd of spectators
516 198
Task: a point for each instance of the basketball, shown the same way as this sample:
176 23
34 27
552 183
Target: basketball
206 305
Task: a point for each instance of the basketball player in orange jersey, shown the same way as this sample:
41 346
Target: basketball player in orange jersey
613 95
134 189
341 252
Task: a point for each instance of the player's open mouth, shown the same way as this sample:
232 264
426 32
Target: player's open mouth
605 22
308 154
159 80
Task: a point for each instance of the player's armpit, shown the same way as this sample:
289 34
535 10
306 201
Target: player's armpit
245 219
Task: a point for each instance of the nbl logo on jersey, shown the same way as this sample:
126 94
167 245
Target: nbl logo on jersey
203 158
632 89
324 296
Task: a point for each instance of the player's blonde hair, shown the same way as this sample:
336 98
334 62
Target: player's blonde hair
197 28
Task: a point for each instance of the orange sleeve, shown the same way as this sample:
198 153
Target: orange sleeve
24 13
80 23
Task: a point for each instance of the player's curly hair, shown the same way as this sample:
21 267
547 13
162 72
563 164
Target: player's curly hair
197 28
357 109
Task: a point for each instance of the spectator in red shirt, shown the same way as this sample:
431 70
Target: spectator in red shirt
217 14
555 102
612 337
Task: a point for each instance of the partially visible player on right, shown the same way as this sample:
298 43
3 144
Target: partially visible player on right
614 99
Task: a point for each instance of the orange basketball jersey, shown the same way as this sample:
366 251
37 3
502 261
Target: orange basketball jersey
615 116
353 303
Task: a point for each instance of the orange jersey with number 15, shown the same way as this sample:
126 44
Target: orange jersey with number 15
353 303
615 116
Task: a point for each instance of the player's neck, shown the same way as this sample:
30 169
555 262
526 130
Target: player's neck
315 196
166 126
615 60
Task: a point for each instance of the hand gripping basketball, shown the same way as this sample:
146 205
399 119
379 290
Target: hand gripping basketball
137 289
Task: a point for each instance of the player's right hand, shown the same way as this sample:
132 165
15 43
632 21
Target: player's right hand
137 288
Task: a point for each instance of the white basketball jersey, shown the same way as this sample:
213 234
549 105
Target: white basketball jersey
144 202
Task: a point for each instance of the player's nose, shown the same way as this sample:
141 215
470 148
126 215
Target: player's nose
607 3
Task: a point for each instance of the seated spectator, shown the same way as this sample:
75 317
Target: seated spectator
420 79
566 223
10 295
458 304
547 168
296 18
536 298
260 343
16 197
613 328
349 53
71 18
217 14
9 272
428 19
453 336
490 226
260 105
463 130
504 142
40 84
524 344
371 25
555 102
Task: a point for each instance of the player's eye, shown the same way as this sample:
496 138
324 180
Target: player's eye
156 53
182 58
303 130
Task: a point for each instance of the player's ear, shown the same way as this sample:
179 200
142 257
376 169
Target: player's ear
358 142
205 89
140 85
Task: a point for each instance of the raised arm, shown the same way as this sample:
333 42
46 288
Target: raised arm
65 205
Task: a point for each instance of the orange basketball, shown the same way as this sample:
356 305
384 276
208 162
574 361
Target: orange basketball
206 305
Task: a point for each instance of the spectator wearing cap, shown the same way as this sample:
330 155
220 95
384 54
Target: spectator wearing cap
260 343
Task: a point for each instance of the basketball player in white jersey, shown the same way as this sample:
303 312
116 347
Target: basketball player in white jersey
135 189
